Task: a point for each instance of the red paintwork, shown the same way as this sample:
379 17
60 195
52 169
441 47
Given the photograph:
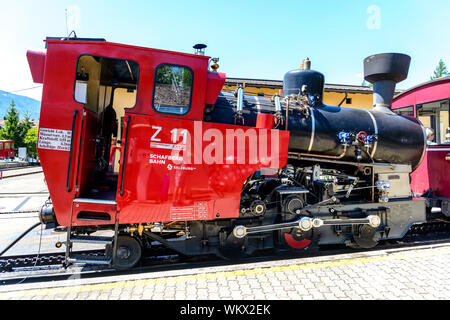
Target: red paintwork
264 120
36 60
95 210
85 167
152 192
165 192
434 171
7 153
215 84
112 154
296 244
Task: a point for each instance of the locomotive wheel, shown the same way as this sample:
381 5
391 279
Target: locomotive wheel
128 253
365 237
296 239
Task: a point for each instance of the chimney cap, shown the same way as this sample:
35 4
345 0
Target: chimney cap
200 46
386 66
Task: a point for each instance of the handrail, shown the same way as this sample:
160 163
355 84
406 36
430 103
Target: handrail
71 151
124 155
79 148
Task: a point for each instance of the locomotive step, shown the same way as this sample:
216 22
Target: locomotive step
83 258
92 239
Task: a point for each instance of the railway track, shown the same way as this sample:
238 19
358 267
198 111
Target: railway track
18 174
20 212
49 267
15 166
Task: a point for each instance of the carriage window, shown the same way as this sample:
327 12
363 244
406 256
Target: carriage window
435 115
7 146
173 89
406 111
1 146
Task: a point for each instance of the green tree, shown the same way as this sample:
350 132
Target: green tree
187 78
366 84
25 125
440 71
30 141
11 130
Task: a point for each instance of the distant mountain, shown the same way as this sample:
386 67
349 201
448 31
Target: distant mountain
23 104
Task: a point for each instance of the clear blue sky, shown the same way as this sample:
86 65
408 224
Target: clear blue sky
254 39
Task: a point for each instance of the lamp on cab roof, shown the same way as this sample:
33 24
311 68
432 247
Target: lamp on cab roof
200 49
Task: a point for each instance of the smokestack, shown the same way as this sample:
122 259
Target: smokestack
384 71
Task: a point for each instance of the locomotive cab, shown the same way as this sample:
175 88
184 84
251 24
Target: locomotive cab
94 91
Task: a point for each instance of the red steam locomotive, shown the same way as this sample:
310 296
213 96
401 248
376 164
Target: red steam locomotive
142 142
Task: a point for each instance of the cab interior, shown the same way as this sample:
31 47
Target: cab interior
106 87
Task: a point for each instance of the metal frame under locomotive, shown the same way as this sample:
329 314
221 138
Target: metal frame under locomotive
282 199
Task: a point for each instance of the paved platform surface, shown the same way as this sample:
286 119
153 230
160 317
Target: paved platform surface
419 274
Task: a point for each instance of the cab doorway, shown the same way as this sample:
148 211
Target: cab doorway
105 87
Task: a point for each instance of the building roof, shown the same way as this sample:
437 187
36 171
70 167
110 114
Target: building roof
278 84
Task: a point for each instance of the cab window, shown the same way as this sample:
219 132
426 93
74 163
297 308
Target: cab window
406 111
97 79
172 90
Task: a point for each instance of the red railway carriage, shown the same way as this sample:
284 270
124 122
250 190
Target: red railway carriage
142 142
429 102
6 149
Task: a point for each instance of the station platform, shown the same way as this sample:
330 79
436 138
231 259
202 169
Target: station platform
417 273
396 274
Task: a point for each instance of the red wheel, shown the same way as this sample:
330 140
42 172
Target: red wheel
296 239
